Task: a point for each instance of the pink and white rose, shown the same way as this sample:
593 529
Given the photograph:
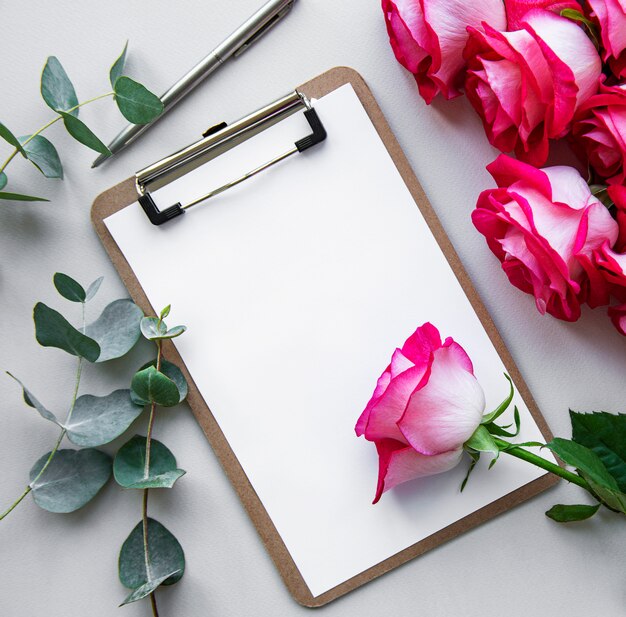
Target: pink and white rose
426 405
517 9
599 132
544 226
527 84
428 36
611 17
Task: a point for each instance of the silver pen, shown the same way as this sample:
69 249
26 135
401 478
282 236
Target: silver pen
250 31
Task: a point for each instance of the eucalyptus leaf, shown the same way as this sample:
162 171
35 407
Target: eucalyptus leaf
169 370
570 513
502 407
155 330
57 89
605 434
53 330
153 386
82 133
97 420
8 136
117 69
117 329
147 588
3 180
68 287
585 460
72 479
130 461
166 559
21 197
92 290
43 155
166 311
137 104
31 401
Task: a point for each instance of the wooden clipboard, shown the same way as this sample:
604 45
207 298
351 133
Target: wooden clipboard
125 193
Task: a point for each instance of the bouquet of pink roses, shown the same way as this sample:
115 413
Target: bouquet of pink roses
537 71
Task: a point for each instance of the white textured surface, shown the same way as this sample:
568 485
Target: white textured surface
66 565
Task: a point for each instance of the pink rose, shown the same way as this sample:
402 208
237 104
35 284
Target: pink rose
599 132
428 36
613 267
544 225
426 405
611 16
527 84
516 9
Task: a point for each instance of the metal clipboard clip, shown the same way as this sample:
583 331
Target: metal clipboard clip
216 141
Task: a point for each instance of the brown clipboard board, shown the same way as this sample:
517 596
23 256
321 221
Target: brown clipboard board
125 194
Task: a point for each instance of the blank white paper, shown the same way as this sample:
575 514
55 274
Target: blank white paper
296 287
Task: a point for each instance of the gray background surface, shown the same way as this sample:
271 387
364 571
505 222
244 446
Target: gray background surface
66 565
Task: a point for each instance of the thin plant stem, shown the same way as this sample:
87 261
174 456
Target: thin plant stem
79 370
538 461
49 124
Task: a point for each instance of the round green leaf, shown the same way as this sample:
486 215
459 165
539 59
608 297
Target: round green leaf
130 461
3 180
137 104
118 66
97 420
169 370
20 197
145 590
68 287
116 330
72 479
152 328
43 155
92 290
166 558
53 330
56 88
153 386
8 136
82 133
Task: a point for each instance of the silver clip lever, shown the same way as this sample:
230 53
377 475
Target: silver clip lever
158 217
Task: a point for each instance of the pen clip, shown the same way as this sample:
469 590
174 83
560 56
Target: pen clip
259 33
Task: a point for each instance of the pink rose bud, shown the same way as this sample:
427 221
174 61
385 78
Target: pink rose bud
599 132
428 36
426 405
611 17
527 84
517 9
544 226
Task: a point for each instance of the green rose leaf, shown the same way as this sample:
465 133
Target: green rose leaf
92 290
153 386
583 459
117 69
31 401
504 405
605 434
570 513
137 104
20 197
169 370
82 133
57 89
68 287
166 560
612 498
97 420
130 462
3 180
73 478
53 330
8 136
43 155
116 330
